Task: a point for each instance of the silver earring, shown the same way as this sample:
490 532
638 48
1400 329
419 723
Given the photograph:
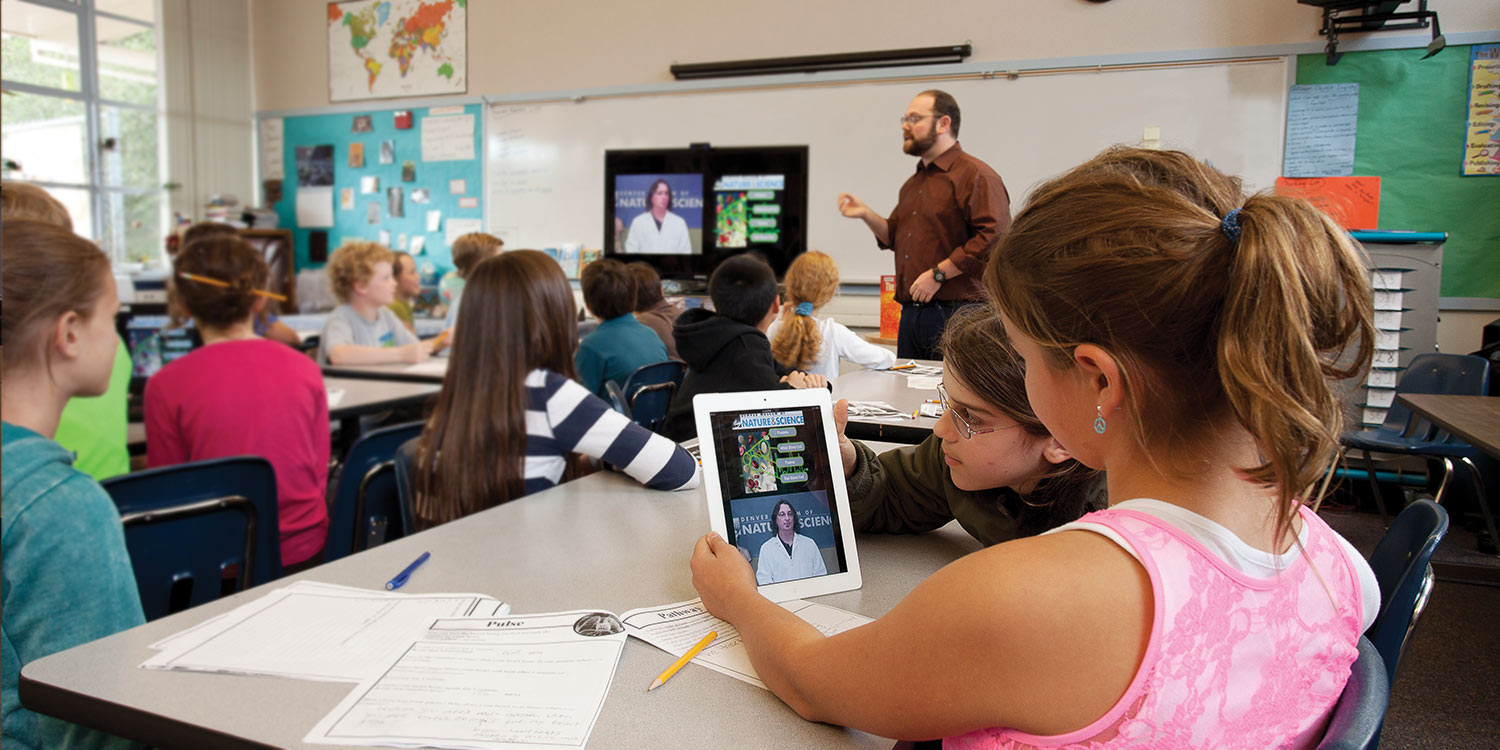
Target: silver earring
1099 425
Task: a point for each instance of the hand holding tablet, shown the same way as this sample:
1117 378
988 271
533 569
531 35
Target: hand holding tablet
775 489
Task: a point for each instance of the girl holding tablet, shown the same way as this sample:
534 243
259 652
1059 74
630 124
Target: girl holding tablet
511 418
1180 337
990 463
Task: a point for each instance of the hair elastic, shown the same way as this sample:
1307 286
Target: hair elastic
804 308
1230 225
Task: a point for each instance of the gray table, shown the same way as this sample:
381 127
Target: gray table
1475 419
888 386
396 372
602 541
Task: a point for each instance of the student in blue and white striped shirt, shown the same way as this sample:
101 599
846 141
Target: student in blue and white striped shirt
511 418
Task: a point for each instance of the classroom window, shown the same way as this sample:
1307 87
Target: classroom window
82 115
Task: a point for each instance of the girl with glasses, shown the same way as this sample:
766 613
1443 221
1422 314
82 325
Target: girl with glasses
990 463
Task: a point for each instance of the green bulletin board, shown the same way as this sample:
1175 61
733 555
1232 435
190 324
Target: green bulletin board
435 177
1411 128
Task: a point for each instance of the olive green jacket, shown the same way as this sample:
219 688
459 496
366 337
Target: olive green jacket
909 491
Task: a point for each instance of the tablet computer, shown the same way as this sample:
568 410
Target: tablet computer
775 488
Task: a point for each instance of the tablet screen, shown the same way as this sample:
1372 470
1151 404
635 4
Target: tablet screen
777 490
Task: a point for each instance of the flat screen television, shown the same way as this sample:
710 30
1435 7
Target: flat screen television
684 210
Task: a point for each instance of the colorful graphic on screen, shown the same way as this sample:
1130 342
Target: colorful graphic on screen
747 210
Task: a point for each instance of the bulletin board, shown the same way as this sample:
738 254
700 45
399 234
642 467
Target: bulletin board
1410 132
438 178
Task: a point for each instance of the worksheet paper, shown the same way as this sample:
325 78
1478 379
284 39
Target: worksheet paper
437 366
675 628
520 683
879 410
924 382
321 634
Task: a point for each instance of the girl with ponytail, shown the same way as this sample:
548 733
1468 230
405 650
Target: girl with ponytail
803 342
1181 338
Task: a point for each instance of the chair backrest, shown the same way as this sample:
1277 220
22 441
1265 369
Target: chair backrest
1400 562
406 456
1452 374
200 530
649 390
366 508
1356 720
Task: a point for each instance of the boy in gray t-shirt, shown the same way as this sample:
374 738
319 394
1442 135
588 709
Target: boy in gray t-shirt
363 331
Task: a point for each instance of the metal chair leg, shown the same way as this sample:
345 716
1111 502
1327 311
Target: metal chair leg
1375 488
1443 485
1483 499
1428 580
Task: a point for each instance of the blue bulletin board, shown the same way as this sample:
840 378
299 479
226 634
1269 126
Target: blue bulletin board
435 177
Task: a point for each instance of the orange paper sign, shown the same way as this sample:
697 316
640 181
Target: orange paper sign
890 309
1353 202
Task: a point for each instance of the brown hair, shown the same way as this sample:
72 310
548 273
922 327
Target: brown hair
469 249
49 271
205 229
224 258
608 289
23 200
647 285
471 454
813 278
354 263
944 105
1129 252
977 353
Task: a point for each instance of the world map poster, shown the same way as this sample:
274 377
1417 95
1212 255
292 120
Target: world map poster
380 49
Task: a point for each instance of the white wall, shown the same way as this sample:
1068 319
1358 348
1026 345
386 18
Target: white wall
209 127
573 44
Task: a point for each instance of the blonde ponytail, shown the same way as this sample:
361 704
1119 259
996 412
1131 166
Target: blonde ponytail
811 282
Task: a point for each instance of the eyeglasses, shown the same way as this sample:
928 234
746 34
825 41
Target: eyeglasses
965 429
914 119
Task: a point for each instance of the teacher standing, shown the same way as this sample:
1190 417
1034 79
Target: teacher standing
947 219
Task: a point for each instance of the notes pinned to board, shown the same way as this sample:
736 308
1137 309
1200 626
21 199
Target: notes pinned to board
449 138
1353 202
456 228
272 143
1321 120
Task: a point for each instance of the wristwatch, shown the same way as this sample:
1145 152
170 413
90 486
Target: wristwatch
938 275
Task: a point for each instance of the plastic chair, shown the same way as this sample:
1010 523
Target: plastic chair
1400 562
366 509
648 392
1360 711
1405 433
406 457
200 530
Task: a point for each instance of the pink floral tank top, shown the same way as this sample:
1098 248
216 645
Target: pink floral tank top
1233 661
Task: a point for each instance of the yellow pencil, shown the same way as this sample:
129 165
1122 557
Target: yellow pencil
687 657
224 284
907 366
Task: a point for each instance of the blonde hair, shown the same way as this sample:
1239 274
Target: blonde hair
811 278
23 200
354 263
469 249
1132 251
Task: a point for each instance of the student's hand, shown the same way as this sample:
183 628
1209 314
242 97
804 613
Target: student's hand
846 446
441 341
720 574
414 353
799 379
852 207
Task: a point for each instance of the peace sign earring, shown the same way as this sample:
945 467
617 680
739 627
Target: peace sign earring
1099 425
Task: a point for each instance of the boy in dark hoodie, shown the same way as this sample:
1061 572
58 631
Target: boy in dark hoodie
727 350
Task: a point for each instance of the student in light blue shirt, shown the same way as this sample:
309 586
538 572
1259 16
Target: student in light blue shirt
66 578
620 344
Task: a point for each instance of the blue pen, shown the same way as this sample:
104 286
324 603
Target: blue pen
400 579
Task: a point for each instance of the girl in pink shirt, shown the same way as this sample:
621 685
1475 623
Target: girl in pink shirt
1180 337
240 394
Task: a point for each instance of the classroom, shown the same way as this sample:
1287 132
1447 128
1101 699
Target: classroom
1178 378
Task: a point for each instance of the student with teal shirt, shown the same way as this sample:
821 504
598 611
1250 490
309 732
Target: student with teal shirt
620 344
66 577
92 427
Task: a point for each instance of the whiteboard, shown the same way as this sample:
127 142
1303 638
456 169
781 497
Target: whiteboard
545 161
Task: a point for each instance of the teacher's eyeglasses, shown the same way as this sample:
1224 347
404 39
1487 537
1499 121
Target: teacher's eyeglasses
965 428
913 119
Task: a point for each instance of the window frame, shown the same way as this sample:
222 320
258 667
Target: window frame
104 198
